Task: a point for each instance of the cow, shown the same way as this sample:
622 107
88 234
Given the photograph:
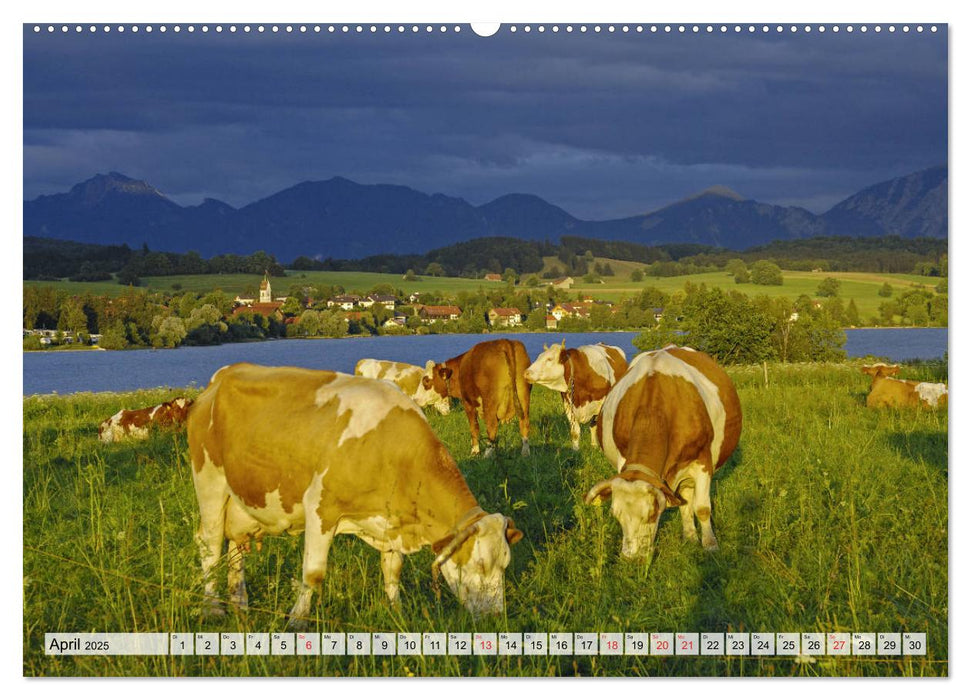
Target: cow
285 449
407 378
487 379
666 426
887 392
583 376
136 423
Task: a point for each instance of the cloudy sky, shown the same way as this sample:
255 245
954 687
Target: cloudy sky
603 125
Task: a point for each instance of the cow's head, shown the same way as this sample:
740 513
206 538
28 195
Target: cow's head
428 395
880 370
474 563
178 409
549 368
436 380
637 500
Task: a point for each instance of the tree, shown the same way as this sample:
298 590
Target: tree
72 318
766 273
410 276
637 276
509 275
886 290
829 287
735 266
435 269
726 325
852 314
169 332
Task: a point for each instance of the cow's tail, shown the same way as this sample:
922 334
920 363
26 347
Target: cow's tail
511 363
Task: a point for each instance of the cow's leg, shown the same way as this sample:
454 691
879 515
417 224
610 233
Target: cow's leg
391 568
490 413
317 538
574 421
524 416
240 527
687 491
470 413
702 508
316 547
237 578
212 494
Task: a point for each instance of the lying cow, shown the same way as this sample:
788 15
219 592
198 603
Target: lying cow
583 376
666 426
282 449
135 424
488 379
407 378
888 392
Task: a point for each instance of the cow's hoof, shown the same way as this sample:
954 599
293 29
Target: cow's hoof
691 536
525 451
710 545
297 624
489 452
212 609
575 446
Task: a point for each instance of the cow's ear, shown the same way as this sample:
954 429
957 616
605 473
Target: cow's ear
892 370
867 369
513 535
673 498
545 347
430 365
599 492
445 373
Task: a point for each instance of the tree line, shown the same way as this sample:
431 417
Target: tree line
50 259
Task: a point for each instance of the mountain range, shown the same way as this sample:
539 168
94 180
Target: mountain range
339 218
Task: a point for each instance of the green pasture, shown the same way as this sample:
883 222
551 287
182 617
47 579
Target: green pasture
830 518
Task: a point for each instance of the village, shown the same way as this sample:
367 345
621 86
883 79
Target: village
381 313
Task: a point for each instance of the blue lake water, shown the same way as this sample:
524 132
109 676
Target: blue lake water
68 372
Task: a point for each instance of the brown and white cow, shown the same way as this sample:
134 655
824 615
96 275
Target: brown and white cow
887 392
666 426
283 449
136 423
407 378
487 379
583 376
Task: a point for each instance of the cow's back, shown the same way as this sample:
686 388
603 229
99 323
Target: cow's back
682 390
493 371
705 364
273 429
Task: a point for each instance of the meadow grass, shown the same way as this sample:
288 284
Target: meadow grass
830 517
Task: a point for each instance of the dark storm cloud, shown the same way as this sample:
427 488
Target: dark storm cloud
602 125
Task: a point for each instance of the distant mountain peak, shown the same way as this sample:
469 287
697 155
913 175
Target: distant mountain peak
719 191
96 188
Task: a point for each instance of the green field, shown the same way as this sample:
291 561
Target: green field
862 287
830 517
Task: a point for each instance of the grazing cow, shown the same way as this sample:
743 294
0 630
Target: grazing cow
666 426
888 392
407 378
136 423
282 449
488 379
583 376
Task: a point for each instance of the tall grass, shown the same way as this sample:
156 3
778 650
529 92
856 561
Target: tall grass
830 517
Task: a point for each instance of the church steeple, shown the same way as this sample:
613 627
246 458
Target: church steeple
266 295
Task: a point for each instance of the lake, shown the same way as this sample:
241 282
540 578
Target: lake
67 372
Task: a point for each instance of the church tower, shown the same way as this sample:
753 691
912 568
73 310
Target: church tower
266 295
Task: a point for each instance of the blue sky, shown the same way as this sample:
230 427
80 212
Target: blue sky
603 125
